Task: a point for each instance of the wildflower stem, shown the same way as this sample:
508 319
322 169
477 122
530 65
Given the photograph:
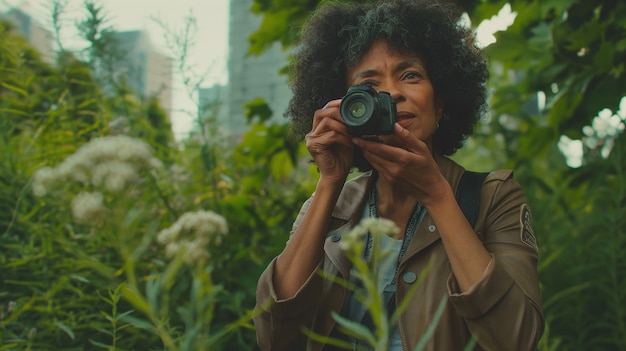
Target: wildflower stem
162 196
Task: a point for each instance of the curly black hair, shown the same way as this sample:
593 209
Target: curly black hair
339 34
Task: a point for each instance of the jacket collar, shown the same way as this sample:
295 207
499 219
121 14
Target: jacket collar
355 192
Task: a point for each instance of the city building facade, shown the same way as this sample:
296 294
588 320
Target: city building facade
146 70
37 36
252 77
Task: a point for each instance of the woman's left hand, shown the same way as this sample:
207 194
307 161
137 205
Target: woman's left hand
406 161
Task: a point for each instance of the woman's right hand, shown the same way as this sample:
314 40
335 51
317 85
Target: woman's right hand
330 144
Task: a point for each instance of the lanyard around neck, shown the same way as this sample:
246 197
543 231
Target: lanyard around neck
411 227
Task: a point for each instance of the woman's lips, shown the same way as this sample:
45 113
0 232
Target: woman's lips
404 119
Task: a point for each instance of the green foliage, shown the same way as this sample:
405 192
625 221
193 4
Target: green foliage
68 285
103 53
279 19
581 273
571 51
259 201
257 108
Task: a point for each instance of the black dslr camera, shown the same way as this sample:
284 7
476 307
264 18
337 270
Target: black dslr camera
367 112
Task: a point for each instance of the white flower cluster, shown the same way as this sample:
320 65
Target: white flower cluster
600 136
89 207
112 161
375 226
191 234
43 180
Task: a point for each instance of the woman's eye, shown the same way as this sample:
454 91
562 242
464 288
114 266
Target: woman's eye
369 83
413 75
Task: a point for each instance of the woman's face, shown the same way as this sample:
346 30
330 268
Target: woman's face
405 77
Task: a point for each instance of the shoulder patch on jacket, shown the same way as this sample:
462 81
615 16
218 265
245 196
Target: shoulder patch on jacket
527 234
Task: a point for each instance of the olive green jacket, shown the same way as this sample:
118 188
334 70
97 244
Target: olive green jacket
502 312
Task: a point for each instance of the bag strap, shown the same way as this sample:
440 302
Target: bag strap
468 194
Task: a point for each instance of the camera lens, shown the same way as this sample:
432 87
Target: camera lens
357 109
366 111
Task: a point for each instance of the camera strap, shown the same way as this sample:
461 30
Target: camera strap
468 194
389 291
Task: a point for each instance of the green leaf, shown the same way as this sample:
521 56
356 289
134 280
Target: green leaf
541 40
281 165
354 329
485 11
556 297
257 108
586 34
172 273
432 325
99 344
603 59
15 111
508 47
153 290
79 278
139 323
66 329
565 103
135 299
191 337
535 142
14 88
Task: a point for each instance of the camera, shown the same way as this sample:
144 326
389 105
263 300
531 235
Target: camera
367 112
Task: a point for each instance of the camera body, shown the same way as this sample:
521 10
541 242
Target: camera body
367 112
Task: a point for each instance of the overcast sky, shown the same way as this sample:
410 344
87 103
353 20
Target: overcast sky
208 54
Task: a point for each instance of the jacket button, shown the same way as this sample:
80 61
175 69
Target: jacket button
335 237
409 277
432 228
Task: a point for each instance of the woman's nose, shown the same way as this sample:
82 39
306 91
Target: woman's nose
393 90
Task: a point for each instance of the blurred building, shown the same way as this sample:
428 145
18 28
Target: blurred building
37 36
252 77
146 70
212 110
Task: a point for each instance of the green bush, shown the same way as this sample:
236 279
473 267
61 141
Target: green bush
82 266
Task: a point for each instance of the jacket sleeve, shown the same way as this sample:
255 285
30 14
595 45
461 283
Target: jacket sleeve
279 324
503 310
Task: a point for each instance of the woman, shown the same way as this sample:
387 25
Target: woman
415 51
